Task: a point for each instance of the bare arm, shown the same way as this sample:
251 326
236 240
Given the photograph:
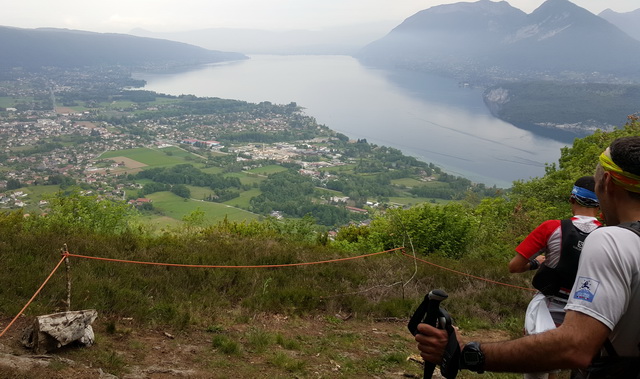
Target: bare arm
572 345
520 264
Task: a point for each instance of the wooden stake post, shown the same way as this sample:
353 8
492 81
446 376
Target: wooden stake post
68 270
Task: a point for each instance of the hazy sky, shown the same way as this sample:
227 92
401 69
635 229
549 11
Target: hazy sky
172 15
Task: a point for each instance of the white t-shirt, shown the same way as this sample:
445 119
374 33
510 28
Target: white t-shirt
607 285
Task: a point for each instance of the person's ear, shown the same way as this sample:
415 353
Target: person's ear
608 184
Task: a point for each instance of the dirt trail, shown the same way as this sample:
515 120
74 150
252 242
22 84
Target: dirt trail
298 348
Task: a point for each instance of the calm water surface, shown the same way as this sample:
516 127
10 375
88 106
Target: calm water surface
425 116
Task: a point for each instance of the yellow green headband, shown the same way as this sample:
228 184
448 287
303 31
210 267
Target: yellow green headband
626 180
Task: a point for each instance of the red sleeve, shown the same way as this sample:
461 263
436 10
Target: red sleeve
537 239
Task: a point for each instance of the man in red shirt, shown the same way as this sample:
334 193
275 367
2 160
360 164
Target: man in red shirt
553 248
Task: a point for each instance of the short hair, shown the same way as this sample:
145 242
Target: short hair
625 152
586 182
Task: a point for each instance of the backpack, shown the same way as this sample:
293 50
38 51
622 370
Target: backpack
549 280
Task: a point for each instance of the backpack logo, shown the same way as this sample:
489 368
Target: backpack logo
586 289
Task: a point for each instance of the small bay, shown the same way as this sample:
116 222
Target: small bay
431 118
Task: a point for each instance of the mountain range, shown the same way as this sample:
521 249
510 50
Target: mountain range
470 41
34 48
627 22
493 40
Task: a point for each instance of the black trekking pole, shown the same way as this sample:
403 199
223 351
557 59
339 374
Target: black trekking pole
428 312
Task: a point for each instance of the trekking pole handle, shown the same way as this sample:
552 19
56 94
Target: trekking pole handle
431 318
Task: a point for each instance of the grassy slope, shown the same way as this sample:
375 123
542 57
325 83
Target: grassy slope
177 207
267 170
152 157
246 322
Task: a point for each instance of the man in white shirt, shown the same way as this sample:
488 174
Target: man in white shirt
604 304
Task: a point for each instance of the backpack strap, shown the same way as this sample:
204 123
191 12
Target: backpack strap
571 246
633 226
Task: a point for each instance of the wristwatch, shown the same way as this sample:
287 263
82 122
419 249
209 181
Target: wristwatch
471 357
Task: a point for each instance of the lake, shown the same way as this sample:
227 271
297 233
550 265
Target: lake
431 118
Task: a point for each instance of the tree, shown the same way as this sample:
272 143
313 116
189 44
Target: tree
181 190
13 184
193 220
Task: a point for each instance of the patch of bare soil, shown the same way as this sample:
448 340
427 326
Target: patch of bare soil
265 347
128 162
87 124
65 110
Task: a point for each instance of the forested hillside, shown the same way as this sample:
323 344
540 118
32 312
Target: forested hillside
576 108
35 49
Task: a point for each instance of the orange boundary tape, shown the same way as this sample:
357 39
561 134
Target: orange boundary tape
33 297
66 254
469 275
224 266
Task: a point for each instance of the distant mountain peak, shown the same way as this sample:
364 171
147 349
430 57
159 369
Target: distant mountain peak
627 22
608 10
493 39
487 6
559 5
481 16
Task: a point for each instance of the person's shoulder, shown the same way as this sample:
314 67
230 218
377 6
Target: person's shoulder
545 229
613 242
615 232
549 224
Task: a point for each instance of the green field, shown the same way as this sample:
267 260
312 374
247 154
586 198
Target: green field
160 222
35 194
144 181
199 193
329 192
212 170
120 104
243 200
117 104
11 102
416 200
176 207
39 191
79 108
266 170
153 157
247 178
7 102
348 168
18 149
178 152
407 182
